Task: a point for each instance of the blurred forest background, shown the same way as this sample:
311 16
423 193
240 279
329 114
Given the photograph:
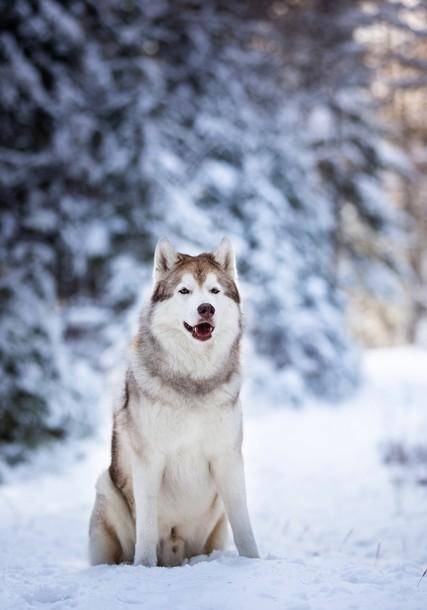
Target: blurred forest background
297 127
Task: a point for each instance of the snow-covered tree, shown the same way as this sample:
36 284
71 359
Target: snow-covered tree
125 121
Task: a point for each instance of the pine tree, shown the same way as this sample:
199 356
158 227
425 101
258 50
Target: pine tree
125 121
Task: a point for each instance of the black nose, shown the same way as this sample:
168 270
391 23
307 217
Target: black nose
206 310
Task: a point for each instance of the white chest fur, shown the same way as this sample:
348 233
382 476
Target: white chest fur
183 436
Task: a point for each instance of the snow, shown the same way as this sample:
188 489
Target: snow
336 529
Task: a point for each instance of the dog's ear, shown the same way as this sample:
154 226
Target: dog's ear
224 255
165 257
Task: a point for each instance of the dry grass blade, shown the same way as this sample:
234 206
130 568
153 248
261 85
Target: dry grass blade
422 576
377 554
347 536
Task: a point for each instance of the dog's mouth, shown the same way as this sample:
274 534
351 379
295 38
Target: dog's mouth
202 331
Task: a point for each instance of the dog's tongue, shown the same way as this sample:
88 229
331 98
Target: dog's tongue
203 330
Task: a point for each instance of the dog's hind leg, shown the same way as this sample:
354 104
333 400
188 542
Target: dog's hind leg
218 537
104 546
111 530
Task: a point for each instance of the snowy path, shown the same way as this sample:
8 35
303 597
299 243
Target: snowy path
333 531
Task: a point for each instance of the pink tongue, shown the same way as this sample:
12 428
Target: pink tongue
203 329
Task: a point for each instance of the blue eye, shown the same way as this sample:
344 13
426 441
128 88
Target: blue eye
214 290
184 291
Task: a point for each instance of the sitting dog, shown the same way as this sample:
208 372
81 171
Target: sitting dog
176 476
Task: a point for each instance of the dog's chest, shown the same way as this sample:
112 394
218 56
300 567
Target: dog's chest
187 483
188 429
188 437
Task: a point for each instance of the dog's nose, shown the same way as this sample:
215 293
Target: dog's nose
206 310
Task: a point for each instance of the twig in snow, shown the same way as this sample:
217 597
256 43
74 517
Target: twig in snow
422 576
377 554
347 536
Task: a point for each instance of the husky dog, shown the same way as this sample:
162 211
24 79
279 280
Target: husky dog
176 476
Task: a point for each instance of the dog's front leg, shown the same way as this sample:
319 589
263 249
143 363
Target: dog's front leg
147 476
229 476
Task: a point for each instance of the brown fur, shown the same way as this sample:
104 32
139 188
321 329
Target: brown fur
199 266
117 473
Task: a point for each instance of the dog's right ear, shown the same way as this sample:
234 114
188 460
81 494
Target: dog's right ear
224 255
164 258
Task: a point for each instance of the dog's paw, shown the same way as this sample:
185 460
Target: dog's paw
252 555
149 560
249 550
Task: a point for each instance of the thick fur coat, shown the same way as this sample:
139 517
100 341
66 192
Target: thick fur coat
176 476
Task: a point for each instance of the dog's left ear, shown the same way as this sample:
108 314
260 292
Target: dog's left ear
224 255
165 257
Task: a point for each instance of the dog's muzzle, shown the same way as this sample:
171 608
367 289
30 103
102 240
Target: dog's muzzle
201 331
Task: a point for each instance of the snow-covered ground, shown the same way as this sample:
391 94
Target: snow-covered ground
336 529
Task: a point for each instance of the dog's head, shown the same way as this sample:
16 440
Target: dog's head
195 299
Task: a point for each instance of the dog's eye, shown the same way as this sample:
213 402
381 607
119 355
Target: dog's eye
184 291
214 290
